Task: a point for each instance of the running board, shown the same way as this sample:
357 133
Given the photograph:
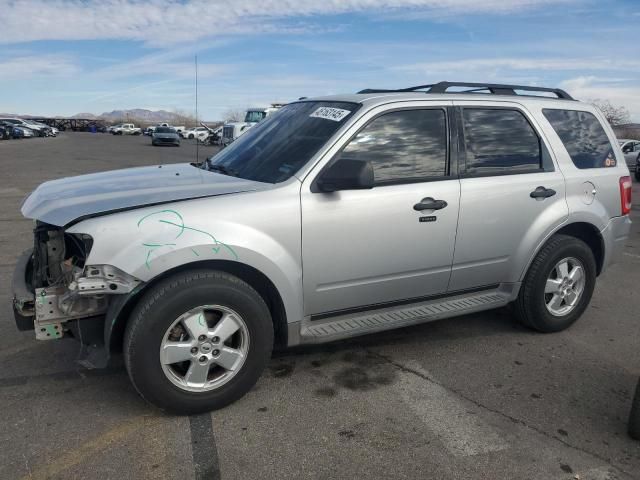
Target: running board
362 323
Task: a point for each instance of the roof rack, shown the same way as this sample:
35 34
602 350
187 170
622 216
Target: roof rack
492 88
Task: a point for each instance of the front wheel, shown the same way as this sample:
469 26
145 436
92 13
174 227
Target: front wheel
198 341
558 286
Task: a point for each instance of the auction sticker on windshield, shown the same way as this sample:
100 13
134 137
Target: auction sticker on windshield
330 113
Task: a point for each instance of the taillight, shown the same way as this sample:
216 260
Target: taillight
625 195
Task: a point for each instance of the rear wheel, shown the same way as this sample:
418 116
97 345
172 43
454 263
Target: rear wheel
191 136
558 285
198 341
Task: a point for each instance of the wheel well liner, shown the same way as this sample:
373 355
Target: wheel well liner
115 327
590 235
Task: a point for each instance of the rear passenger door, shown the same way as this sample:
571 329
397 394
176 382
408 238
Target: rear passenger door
512 195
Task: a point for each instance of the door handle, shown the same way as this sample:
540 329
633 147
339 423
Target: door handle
430 204
542 192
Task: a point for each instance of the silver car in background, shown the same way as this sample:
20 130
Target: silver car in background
631 151
334 217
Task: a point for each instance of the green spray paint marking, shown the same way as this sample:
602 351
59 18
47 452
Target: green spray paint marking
179 223
201 320
214 239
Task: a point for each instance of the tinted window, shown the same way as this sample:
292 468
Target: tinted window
583 137
165 130
499 141
278 146
404 145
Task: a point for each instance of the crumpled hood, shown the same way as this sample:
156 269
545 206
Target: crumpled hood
62 201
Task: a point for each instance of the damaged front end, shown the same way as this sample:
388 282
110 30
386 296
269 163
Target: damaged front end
57 293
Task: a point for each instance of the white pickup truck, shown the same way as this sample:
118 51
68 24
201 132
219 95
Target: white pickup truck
232 130
126 129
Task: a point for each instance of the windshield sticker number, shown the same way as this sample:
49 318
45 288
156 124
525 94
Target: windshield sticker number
330 113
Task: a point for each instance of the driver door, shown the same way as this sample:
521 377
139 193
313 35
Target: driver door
364 248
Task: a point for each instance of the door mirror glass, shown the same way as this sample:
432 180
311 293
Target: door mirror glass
347 174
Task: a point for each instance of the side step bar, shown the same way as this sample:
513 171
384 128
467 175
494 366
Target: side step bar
362 323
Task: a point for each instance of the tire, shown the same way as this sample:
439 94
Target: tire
634 416
191 136
531 305
166 302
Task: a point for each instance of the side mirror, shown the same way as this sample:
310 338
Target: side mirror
346 174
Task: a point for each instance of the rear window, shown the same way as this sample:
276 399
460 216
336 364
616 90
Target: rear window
500 141
583 137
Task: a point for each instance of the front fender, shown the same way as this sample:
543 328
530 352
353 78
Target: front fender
148 242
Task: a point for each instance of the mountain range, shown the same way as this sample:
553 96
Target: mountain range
139 114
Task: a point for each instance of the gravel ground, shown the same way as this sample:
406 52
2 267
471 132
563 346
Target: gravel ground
472 397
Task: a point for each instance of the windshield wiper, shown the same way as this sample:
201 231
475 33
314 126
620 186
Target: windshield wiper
221 169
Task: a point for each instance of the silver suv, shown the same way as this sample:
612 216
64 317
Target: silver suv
334 217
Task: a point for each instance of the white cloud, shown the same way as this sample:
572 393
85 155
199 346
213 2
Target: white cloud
589 88
159 22
37 65
534 64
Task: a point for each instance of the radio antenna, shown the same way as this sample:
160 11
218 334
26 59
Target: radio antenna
197 139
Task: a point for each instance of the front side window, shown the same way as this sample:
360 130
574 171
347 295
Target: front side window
403 146
276 148
500 141
583 137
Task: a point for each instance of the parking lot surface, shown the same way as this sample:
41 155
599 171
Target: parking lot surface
471 397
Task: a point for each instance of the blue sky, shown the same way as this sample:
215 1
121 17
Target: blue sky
62 57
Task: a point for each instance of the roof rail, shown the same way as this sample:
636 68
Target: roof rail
492 88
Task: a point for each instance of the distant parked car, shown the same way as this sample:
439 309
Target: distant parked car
42 130
127 129
631 150
195 132
35 131
23 132
165 136
8 128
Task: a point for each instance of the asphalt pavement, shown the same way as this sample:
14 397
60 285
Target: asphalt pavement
474 397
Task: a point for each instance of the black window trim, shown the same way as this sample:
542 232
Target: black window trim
462 147
450 166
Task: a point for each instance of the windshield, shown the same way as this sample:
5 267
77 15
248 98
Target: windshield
277 148
165 130
254 116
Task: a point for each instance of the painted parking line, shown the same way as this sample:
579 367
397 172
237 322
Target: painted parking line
447 415
203 448
81 453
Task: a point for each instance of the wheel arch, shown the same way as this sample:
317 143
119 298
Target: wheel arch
585 231
119 311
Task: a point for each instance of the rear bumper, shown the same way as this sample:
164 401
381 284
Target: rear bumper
615 235
23 296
